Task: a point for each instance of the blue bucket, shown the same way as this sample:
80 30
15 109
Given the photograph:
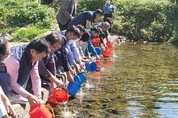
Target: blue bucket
98 50
77 79
73 88
82 77
91 66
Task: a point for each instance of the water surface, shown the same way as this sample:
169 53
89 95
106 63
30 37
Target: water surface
140 81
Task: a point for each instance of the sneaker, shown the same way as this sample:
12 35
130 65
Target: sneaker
18 99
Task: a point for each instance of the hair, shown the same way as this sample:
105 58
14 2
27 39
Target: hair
73 29
81 28
3 48
99 11
85 37
105 24
96 29
54 38
40 45
109 20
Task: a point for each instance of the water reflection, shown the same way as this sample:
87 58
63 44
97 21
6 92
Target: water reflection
140 80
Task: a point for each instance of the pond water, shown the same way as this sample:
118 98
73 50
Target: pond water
139 81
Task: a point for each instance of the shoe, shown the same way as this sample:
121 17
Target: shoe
18 99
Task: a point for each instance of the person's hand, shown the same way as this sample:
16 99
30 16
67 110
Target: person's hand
33 100
86 60
71 17
59 83
51 91
82 65
40 100
9 108
97 57
77 68
88 57
70 77
72 72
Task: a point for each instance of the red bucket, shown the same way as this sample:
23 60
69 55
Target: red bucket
107 53
59 97
109 45
96 42
41 111
98 63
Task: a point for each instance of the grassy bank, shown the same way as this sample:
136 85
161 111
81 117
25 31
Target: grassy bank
137 19
25 19
141 19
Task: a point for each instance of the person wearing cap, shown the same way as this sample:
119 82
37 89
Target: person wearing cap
86 18
104 32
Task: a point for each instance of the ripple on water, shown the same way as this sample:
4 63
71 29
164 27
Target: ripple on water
167 110
171 94
68 114
168 99
135 111
144 85
89 86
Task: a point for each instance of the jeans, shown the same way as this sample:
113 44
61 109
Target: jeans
63 27
4 82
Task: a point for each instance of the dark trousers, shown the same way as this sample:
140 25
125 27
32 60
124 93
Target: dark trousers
105 17
63 27
4 82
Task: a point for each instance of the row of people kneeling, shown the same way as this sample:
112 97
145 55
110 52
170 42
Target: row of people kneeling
42 61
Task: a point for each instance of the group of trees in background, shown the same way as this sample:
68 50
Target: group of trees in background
151 20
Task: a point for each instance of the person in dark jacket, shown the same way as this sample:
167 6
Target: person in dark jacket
86 18
61 55
104 26
47 66
22 65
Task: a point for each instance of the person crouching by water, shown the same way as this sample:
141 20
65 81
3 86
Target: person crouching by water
104 26
88 47
64 54
22 65
4 80
47 66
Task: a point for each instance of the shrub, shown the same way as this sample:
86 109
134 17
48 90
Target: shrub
91 5
26 13
27 34
22 12
148 19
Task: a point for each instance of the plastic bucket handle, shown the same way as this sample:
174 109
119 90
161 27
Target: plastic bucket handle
53 115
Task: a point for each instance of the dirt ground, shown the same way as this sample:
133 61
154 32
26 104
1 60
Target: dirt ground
17 43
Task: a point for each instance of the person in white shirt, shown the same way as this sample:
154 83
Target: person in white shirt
5 106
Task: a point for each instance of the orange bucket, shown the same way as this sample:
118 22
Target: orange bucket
59 97
109 45
41 111
98 63
96 42
107 53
